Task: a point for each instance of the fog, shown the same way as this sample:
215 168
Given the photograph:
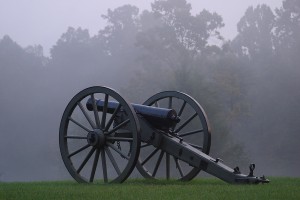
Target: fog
43 22
247 83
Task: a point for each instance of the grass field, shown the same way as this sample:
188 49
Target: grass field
279 188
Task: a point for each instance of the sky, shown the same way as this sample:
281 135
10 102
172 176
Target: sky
33 22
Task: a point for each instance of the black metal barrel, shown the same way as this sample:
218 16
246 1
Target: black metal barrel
161 118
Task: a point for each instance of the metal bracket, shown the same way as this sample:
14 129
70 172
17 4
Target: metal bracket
251 167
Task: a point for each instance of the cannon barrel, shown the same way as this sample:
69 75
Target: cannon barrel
161 118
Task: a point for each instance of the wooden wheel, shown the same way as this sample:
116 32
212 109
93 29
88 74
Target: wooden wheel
85 136
192 128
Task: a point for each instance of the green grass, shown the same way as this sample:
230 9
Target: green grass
279 188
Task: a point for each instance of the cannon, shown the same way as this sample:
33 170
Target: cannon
102 138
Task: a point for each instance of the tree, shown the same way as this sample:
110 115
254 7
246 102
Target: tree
117 41
176 37
121 30
192 32
287 60
15 62
22 110
255 38
175 54
268 45
287 30
72 48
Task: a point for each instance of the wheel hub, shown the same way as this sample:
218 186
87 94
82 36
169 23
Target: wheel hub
96 138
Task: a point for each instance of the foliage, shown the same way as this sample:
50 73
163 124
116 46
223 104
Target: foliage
255 33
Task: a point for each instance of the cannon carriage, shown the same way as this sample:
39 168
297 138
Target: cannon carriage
102 137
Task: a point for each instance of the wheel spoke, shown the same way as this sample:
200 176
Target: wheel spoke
150 156
103 119
113 161
75 137
119 126
167 166
112 118
117 150
95 110
104 167
86 160
145 145
119 139
158 163
86 115
182 108
170 103
78 151
190 133
94 165
178 166
186 122
170 107
78 124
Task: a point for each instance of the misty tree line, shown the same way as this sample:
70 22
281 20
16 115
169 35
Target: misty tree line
248 85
